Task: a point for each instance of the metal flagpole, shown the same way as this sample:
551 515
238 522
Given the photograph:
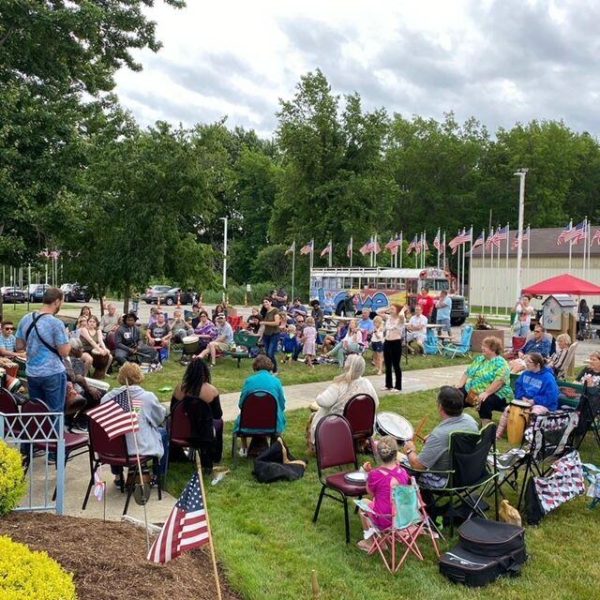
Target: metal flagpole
209 530
401 249
294 269
496 286
584 244
482 271
570 245
528 245
351 251
507 269
330 253
311 263
139 465
444 252
374 251
589 248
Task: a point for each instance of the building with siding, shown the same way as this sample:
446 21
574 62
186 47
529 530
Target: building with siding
493 282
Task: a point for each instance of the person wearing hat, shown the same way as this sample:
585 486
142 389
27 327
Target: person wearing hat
128 344
317 314
223 341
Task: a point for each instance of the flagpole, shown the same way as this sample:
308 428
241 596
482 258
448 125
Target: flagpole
482 270
351 251
470 261
570 245
496 286
444 252
330 253
528 245
401 250
311 263
507 269
208 527
293 269
139 463
584 244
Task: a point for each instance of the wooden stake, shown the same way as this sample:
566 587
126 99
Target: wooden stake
139 465
420 428
210 540
316 592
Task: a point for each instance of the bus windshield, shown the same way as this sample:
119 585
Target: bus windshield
437 285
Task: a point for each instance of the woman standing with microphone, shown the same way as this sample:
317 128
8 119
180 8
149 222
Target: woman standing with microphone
392 345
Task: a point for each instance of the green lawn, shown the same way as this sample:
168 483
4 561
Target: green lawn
268 545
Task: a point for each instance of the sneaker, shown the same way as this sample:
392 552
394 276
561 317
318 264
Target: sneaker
386 389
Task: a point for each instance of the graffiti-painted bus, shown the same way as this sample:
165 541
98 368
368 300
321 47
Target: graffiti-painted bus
339 289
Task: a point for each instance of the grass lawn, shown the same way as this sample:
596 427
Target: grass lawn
267 543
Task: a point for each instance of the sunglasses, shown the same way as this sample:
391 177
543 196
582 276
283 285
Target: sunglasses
9 329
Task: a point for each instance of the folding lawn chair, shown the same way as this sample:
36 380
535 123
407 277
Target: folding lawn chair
588 410
432 343
548 439
463 348
470 477
409 521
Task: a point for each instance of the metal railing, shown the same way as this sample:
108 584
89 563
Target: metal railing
32 433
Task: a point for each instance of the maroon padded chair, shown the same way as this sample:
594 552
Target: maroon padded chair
104 451
258 418
73 441
360 413
335 448
9 405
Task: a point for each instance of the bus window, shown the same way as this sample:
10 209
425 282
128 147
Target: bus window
437 284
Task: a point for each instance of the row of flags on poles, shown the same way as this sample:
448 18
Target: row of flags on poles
494 239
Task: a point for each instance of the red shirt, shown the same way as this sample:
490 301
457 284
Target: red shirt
426 303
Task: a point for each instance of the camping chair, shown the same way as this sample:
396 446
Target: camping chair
359 411
8 406
470 477
258 418
568 365
432 343
104 451
547 439
409 521
463 348
335 448
588 410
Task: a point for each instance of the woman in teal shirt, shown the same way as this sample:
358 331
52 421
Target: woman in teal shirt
263 380
488 376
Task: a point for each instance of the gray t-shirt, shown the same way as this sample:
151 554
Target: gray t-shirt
435 451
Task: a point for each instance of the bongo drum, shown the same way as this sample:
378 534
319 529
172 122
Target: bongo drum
389 423
518 417
103 386
99 360
13 384
191 344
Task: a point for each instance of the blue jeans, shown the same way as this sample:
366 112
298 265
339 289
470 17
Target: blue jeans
270 342
521 329
446 325
51 389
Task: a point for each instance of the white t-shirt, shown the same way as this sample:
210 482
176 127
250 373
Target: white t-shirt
418 321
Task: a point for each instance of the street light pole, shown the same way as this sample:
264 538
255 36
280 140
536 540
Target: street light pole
521 174
224 259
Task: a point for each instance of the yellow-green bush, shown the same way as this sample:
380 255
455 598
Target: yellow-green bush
12 478
29 575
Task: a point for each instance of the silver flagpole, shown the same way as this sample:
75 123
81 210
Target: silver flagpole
293 269
584 244
570 245
482 271
330 253
507 269
528 246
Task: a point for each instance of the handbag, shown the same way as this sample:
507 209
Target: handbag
472 398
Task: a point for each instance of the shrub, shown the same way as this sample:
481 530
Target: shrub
12 478
25 574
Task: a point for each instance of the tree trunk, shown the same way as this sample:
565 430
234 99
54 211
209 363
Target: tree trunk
126 296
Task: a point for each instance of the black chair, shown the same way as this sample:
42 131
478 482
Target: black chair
470 477
589 416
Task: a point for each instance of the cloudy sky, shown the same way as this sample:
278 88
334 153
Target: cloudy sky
501 61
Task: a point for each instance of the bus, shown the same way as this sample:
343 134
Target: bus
337 289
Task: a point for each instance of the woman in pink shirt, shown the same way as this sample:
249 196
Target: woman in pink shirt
379 484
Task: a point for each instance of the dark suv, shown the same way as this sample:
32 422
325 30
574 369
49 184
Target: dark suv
169 298
78 293
152 293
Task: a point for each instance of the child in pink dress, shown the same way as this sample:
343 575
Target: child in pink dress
309 336
379 486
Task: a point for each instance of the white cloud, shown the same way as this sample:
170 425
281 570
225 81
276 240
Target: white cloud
501 61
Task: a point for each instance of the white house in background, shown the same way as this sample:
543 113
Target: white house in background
493 282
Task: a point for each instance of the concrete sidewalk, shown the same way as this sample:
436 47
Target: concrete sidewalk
301 395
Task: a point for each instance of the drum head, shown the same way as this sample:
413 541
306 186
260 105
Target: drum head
389 423
190 339
356 477
521 403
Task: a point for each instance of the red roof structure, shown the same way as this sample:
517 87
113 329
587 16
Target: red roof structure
563 284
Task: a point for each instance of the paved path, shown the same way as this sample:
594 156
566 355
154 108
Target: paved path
301 395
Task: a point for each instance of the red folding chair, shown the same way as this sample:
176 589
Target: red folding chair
359 411
258 418
8 405
335 448
104 451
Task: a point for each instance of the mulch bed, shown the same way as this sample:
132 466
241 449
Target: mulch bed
108 560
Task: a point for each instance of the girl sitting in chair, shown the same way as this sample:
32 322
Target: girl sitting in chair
379 486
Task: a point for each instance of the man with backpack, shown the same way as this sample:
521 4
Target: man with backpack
45 339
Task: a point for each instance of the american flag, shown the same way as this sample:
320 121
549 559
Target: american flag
480 241
577 233
459 240
327 249
437 244
394 244
596 237
425 245
375 247
185 529
349 249
490 239
412 246
365 248
308 248
114 416
291 249
500 236
525 238
562 235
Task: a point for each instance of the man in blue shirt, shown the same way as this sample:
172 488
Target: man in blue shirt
444 308
538 343
45 339
365 324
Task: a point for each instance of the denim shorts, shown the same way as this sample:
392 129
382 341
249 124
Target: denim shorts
377 346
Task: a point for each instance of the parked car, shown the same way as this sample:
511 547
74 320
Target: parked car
170 297
13 294
152 293
77 293
36 291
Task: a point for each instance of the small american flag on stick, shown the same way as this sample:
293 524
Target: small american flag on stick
115 417
186 527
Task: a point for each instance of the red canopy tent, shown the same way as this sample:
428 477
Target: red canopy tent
563 284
